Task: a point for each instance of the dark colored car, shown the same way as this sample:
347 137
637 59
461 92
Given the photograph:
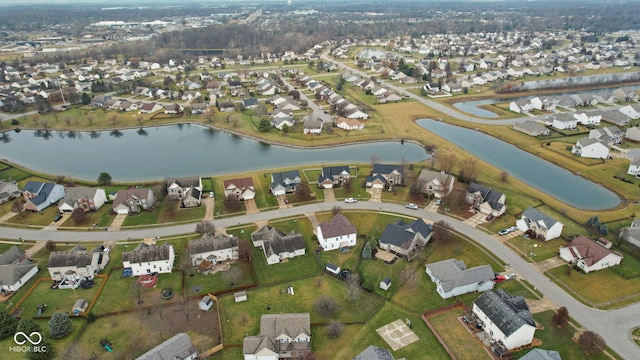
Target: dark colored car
57 218
87 284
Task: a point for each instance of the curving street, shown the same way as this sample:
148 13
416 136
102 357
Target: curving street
613 325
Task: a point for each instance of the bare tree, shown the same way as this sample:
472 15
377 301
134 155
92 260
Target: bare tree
303 192
352 285
469 169
231 202
336 210
375 159
18 206
335 329
326 306
90 118
446 162
139 119
244 249
561 318
78 215
205 227
442 231
409 276
591 343
50 245
67 120
504 176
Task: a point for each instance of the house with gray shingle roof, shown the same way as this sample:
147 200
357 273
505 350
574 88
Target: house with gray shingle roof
609 135
542 225
186 189
282 336
541 354
333 175
70 267
453 278
616 117
392 175
486 200
39 195
149 259
278 245
285 182
336 233
214 249
8 191
86 198
531 128
505 318
590 148
15 269
435 183
374 353
403 238
132 201
177 347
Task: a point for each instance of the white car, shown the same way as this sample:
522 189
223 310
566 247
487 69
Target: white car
211 194
411 206
513 228
350 200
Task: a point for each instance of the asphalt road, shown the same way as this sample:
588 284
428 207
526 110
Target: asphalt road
613 325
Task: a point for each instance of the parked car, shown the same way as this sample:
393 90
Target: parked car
504 232
211 194
57 218
489 217
510 276
411 206
350 200
439 202
513 228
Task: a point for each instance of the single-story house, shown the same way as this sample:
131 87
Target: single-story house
133 201
149 259
241 188
632 133
616 117
15 269
486 200
349 124
531 128
336 233
173 109
250 103
453 278
70 267
213 248
177 347
333 175
278 245
435 183
505 318
312 126
8 191
187 189
590 148
631 110
589 255
539 225
86 198
38 195
403 238
280 122
282 336
285 182
150 107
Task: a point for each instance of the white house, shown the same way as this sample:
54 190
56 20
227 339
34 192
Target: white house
70 267
149 259
505 318
564 122
452 277
585 119
178 346
632 133
336 233
634 167
632 111
213 249
589 255
15 269
282 336
8 191
542 225
278 245
86 198
312 126
349 124
521 107
590 148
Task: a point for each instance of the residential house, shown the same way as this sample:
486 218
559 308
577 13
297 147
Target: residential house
403 238
71 267
616 117
392 174
285 182
278 245
349 124
191 95
289 105
589 255
337 233
199 108
585 119
282 336
631 110
281 113
312 126
543 104
632 133
86 198
15 270
173 109
521 107
539 225
250 103
178 346
435 183
634 167
486 200
212 249
242 189
453 278
590 148
133 201
280 122
356 114
374 353
389 96
505 318
149 259
38 195
631 234
188 190
226 106
8 191
531 128
150 107
542 354
333 176
609 135
564 122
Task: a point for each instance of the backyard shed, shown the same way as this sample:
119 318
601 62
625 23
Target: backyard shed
385 284
79 307
240 296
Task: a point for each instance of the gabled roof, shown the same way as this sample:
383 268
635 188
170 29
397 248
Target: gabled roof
10 274
11 256
146 253
509 313
177 347
339 225
42 191
386 168
239 183
542 219
587 250
274 325
276 241
374 353
330 171
75 193
212 243
279 178
435 176
402 235
453 273
541 354
70 258
184 182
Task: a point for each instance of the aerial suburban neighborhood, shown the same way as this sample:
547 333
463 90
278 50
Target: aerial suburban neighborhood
319 180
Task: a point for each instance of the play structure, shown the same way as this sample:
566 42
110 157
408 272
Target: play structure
106 344
40 309
147 281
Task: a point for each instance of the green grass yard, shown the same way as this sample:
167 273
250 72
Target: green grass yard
463 344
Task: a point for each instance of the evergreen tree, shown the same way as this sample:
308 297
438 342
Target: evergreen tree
366 251
27 326
8 324
60 325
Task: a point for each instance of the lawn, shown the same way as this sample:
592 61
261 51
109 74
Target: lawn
11 173
165 211
238 275
389 313
274 300
60 346
463 344
557 339
41 218
541 250
603 289
58 300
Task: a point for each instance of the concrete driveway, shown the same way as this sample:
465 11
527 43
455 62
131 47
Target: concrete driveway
476 219
117 222
329 195
376 194
549 264
282 202
251 206
209 204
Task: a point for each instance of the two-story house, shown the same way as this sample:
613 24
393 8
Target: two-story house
188 190
539 225
278 245
86 198
435 183
336 233
149 259
242 189
282 336
486 200
453 278
39 195
71 267
15 269
133 201
285 182
211 249
333 176
391 175
8 191
403 238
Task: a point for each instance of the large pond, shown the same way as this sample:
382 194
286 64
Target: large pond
177 150
541 174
